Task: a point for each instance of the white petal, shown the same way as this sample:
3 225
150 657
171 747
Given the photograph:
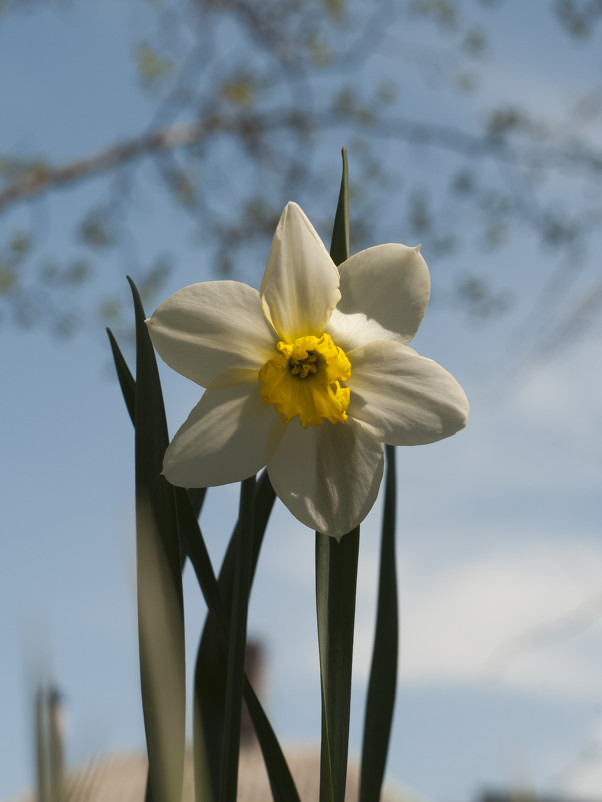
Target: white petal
384 294
401 398
228 437
208 328
300 286
230 378
328 476
353 331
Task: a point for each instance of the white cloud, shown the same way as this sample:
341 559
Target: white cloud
527 615
479 601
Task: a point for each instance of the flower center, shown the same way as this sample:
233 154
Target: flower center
303 379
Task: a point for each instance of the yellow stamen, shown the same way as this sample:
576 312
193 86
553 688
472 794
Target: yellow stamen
304 379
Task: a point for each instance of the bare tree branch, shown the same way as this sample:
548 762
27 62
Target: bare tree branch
587 162
40 179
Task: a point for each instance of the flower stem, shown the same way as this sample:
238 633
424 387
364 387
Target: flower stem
336 580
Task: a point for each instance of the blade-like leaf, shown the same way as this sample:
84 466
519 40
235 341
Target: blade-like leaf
383 673
188 504
197 497
339 245
238 640
160 603
209 679
126 380
336 579
128 389
55 746
205 763
281 781
41 733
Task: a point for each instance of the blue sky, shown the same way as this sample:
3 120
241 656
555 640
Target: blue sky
500 556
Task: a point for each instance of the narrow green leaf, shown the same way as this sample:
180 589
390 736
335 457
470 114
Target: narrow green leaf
238 640
50 755
210 669
264 502
339 246
128 389
208 705
194 542
279 775
336 580
382 685
55 746
126 380
280 778
160 603
41 732
197 497
326 789
188 503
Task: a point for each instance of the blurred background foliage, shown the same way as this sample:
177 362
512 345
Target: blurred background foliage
249 102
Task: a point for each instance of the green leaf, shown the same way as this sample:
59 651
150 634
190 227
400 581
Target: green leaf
238 640
339 246
279 775
43 775
50 761
281 781
194 542
160 603
188 504
128 388
209 679
382 685
55 746
126 380
336 580
197 497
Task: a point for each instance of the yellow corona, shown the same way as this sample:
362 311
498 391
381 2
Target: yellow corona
304 379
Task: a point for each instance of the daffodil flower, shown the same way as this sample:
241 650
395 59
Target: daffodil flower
308 376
